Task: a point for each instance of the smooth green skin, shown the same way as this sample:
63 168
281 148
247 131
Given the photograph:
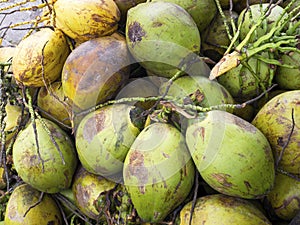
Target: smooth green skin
256 12
275 121
158 171
56 175
86 188
202 11
284 197
289 78
157 34
103 139
24 197
219 209
242 84
214 93
232 155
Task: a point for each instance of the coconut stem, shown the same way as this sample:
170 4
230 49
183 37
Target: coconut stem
288 140
35 204
195 108
33 123
3 98
44 125
224 19
66 202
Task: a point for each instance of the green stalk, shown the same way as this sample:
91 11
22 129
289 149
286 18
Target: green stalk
260 20
253 51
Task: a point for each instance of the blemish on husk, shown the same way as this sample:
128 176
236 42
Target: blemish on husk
222 179
200 131
244 124
135 32
157 24
96 18
166 155
137 168
248 185
93 126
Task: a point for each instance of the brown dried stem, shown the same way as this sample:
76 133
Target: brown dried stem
287 142
35 204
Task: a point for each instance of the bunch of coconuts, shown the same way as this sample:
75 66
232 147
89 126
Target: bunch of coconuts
110 115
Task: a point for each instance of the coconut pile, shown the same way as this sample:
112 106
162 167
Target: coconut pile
170 112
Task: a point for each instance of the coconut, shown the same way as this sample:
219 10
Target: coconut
38 59
243 83
231 154
222 209
185 89
139 87
89 188
124 6
202 11
289 78
12 120
284 197
275 119
104 137
22 208
6 55
53 104
83 20
157 34
45 160
196 91
214 39
95 70
158 171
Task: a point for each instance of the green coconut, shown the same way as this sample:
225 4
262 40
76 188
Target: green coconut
289 78
284 197
50 165
104 137
215 39
218 209
89 188
244 84
232 155
124 6
202 11
275 120
196 91
185 89
22 208
141 87
158 172
157 34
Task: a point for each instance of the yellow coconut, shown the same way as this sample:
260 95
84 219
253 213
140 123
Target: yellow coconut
39 58
83 20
